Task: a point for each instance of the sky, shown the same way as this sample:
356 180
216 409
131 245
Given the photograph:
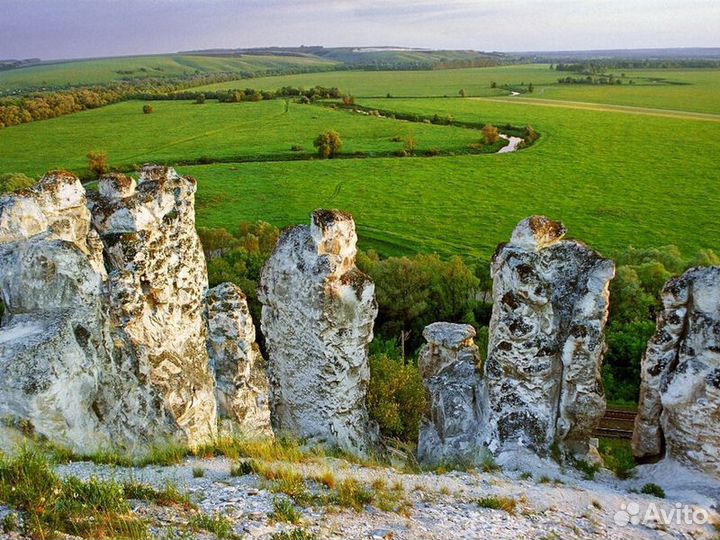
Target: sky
53 29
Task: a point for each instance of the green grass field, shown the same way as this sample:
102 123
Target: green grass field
475 81
180 131
105 70
615 179
691 89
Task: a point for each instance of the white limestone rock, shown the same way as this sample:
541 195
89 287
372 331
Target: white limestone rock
53 340
93 358
679 413
157 278
452 426
546 341
317 318
242 390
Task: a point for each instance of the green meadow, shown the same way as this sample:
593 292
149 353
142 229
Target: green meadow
616 177
182 131
104 70
681 89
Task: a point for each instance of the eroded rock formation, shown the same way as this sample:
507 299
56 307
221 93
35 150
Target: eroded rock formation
242 390
452 426
104 338
546 341
317 318
678 415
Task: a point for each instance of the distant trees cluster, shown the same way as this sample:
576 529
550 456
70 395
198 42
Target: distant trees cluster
602 65
589 79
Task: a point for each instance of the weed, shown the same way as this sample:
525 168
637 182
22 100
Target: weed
351 493
653 489
242 468
217 524
170 495
525 476
588 469
295 534
617 455
497 502
284 510
198 472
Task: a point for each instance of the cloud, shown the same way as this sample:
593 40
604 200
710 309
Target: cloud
77 28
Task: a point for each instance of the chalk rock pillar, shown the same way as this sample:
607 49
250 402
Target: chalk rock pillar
679 411
452 424
546 340
242 390
317 318
157 278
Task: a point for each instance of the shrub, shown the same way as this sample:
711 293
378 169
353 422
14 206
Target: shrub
396 397
296 148
409 144
491 134
200 99
653 489
97 163
328 144
147 109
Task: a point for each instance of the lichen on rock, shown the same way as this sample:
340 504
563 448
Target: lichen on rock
543 371
317 318
678 414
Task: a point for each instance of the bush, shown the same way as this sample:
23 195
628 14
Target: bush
97 163
654 490
490 133
147 109
200 99
328 144
396 397
15 182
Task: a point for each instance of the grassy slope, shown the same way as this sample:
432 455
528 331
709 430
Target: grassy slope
593 170
106 70
183 131
476 81
701 91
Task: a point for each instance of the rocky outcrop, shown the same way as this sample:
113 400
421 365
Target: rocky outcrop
103 338
679 412
546 341
54 340
317 318
452 426
242 390
157 278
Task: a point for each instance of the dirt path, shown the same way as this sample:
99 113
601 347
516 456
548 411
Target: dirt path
665 113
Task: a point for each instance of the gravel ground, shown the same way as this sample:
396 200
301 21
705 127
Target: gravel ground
444 506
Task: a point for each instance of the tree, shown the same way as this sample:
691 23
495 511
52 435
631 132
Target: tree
200 99
531 88
493 84
490 133
97 163
147 109
462 92
328 144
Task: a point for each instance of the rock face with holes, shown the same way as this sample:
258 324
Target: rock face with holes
546 342
242 390
317 318
103 337
452 426
156 282
679 413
